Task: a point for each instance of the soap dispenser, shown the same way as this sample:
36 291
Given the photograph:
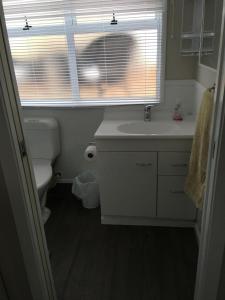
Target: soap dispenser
177 115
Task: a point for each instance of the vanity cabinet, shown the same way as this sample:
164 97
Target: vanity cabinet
142 182
172 202
128 183
173 163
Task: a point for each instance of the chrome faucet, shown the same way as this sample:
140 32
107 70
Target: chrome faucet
147 112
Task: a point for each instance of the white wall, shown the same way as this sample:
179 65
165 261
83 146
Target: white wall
78 125
206 76
199 90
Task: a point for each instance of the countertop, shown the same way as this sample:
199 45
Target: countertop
156 129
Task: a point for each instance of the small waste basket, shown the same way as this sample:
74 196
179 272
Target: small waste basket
86 188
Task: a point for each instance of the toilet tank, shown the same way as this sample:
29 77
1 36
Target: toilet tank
42 135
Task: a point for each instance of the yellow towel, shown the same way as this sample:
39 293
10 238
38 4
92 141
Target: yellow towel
195 182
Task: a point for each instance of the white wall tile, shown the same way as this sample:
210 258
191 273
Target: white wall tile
78 125
199 90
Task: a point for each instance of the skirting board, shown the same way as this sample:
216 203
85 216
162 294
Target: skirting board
118 220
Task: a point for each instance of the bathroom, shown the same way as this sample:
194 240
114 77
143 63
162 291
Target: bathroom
102 253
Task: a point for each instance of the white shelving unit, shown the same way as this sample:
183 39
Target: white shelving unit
198 32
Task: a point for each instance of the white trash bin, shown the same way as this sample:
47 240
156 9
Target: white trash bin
85 187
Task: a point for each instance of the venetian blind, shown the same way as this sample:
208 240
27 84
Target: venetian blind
86 51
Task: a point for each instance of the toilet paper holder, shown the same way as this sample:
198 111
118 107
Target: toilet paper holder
90 155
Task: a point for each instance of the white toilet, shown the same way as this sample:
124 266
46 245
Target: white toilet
42 135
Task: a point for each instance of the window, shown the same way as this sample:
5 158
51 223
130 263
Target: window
86 52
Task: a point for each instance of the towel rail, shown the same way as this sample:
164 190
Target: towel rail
212 89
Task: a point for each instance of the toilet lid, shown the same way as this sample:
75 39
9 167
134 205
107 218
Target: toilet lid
42 172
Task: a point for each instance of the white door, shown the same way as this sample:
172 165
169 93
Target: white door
211 266
20 192
3 292
128 183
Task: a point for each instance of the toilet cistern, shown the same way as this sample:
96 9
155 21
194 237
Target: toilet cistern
42 135
147 113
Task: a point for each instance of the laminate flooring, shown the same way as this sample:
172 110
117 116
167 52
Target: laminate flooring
91 261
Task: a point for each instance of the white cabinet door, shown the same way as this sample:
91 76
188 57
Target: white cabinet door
172 201
128 183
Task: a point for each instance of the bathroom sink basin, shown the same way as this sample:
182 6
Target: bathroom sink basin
147 128
156 129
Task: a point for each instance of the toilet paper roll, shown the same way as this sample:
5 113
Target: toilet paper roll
90 153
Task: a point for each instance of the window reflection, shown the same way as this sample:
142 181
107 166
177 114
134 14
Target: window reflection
109 65
41 67
117 65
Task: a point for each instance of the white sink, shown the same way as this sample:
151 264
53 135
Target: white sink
149 128
155 129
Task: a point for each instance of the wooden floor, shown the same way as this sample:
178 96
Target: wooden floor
91 261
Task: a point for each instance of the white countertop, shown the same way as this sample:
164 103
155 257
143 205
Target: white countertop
138 129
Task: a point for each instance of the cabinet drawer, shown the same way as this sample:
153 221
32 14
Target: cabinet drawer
173 163
172 201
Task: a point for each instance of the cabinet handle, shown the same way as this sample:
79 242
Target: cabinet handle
177 192
143 164
179 165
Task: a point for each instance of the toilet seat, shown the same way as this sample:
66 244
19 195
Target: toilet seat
42 173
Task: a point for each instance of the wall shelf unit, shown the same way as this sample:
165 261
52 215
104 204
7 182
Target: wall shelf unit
198 32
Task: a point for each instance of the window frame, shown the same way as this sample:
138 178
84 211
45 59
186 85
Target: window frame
69 29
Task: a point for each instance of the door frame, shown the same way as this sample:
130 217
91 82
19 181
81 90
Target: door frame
19 195
24 203
212 240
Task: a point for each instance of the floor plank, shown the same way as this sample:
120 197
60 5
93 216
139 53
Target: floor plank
91 261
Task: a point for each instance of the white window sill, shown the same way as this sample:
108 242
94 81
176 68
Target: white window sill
87 104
